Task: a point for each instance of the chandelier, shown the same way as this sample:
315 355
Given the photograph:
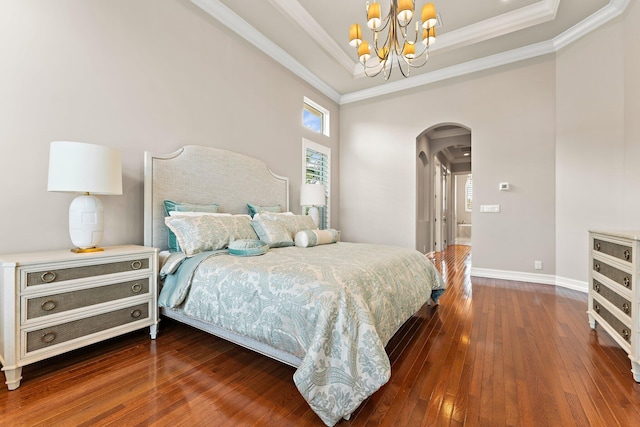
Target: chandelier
393 38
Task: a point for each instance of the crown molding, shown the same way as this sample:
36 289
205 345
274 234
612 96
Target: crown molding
497 26
614 9
235 23
294 10
476 65
518 19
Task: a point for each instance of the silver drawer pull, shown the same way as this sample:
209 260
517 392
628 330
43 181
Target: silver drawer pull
626 333
597 245
626 281
626 308
596 267
136 265
48 305
48 276
627 254
596 287
49 337
136 287
596 308
136 313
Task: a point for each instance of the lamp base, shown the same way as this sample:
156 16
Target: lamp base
314 213
86 223
86 250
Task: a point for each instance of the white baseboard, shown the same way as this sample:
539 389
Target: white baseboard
519 276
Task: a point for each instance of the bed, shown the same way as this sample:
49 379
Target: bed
326 309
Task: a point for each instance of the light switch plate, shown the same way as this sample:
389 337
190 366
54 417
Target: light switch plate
490 208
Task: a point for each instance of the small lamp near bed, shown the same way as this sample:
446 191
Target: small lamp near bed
78 167
313 195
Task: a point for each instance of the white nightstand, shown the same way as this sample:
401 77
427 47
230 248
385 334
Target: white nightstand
54 302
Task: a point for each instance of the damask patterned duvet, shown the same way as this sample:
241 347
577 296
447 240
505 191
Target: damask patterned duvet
333 306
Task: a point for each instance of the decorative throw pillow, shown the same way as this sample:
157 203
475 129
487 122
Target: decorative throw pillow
294 223
272 232
197 234
254 209
247 247
170 206
309 238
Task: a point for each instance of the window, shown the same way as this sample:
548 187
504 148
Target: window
315 117
468 194
317 169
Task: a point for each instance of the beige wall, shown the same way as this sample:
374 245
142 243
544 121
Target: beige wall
135 75
511 116
563 130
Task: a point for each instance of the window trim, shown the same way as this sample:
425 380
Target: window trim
326 115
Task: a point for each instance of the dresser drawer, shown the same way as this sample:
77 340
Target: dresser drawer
616 250
42 277
619 301
621 329
58 303
618 276
58 334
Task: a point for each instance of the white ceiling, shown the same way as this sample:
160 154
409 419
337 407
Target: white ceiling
310 37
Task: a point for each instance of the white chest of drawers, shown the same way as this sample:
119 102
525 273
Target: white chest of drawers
53 302
614 289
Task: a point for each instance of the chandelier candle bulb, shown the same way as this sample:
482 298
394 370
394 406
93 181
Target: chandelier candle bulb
428 15
363 52
355 35
405 11
373 16
409 51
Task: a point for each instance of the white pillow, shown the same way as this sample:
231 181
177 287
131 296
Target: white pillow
178 213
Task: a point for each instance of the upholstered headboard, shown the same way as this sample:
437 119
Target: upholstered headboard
205 175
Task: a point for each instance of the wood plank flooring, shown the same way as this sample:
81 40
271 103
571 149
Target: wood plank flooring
493 353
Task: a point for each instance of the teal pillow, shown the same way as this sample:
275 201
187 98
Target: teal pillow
246 247
254 209
171 206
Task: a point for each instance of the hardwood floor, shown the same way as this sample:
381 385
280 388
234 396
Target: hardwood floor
493 353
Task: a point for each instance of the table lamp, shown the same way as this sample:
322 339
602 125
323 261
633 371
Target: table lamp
313 195
78 167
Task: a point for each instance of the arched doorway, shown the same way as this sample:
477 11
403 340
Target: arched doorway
443 154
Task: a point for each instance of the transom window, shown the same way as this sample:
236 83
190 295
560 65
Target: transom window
315 117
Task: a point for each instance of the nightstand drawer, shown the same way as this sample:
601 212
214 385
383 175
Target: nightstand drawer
618 276
619 301
58 334
44 277
58 303
623 330
616 250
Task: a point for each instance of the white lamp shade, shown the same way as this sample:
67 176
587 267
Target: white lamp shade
312 195
84 168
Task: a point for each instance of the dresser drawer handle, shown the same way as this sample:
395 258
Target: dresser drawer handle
596 267
626 308
626 333
48 305
136 265
596 287
48 276
597 245
627 254
136 287
136 313
626 281
596 308
49 337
